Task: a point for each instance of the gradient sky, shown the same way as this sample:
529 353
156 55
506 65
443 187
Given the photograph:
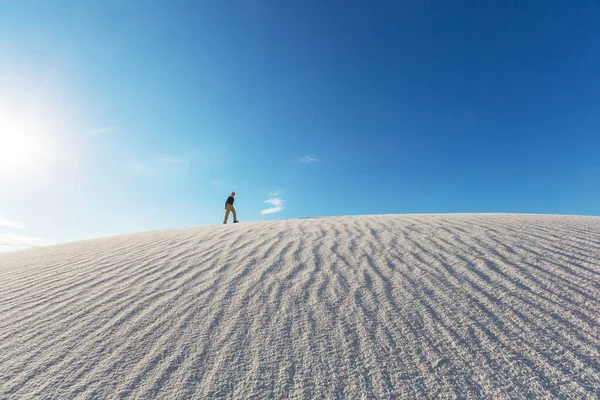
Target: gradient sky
125 116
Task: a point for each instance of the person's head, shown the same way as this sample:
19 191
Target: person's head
233 193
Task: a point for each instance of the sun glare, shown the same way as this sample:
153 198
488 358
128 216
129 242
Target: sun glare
24 145
17 151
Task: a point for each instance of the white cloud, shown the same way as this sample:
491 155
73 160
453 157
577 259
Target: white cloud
276 203
10 242
144 167
99 131
276 193
170 160
7 223
137 167
308 159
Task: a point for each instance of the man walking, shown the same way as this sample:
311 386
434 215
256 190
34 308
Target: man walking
229 208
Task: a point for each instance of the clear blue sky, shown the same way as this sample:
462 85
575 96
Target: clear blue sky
122 116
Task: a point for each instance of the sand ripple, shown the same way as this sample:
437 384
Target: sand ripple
422 306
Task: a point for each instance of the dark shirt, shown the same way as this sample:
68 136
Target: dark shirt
230 200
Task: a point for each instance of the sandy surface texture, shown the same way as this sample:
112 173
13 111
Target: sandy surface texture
398 306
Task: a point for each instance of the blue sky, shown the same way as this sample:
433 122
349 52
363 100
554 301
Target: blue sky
124 116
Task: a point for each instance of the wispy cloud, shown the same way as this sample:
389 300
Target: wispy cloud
7 223
137 167
170 160
276 193
99 131
308 159
276 203
10 242
155 165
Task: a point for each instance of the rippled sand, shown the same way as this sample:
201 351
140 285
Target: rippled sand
398 306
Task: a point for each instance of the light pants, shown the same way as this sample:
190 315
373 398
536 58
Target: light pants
229 208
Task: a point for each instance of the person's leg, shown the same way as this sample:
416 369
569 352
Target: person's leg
234 216
226 214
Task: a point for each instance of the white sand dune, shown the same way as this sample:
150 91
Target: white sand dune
421 306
